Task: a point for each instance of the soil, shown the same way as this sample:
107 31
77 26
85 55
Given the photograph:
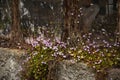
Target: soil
6 43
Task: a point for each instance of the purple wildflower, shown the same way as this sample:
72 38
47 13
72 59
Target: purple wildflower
55 48
35 43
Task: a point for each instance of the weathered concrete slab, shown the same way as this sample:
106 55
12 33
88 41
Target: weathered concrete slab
10 63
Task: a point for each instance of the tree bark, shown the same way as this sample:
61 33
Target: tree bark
16 34
118 21
71 22
66 27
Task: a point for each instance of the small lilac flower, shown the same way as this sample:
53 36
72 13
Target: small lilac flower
43 62
90 44
68 38
72 61
94 42
71 48
115 44
44 47
55 54
63 44
38 38
99 61
91 4
55 48
89 33
94 46
57 40
81 8
49 44
60 53
103 29
34 43
64 56
84 36
98 37
85 49
35 53
44 42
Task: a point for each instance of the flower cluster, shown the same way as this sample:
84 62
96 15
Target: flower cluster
97 52
55 45
42 51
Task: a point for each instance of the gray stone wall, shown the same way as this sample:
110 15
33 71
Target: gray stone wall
113 74
10 63
69 70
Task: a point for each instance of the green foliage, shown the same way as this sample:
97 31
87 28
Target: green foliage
99 60
1 25
37 65
45 49
3 22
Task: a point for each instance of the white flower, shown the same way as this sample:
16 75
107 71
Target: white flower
44 47
79 51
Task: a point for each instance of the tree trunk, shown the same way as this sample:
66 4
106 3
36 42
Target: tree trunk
71 22
16 34
118 20
66 28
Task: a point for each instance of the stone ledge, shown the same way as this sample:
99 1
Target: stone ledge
11 63
113 74
68 70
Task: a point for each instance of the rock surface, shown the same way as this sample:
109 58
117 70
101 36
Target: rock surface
68 70
89 16
10 63
114 74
